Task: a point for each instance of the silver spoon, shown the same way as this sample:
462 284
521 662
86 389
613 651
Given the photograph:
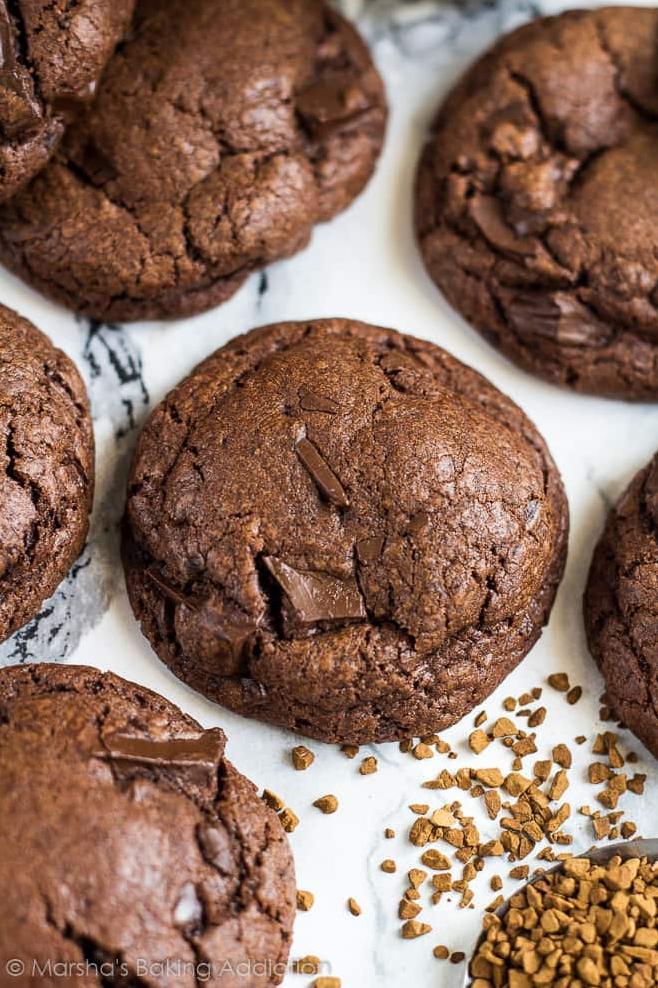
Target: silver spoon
599 855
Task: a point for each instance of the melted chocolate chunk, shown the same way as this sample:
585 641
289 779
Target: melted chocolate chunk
184 760
327 105
487 213
322 474
558 317
369 550
315 597
312 402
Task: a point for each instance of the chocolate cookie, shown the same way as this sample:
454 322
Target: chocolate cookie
215 144
52 54
342 530
537 203
621 606
129 841
47 472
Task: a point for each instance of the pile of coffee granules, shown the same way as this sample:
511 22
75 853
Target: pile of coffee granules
582 924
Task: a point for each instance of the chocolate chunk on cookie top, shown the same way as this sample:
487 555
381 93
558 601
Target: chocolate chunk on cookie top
537 201
129 841
621 606
52 53
46 469
342 530
221 133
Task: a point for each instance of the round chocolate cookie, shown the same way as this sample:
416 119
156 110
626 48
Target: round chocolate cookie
218 138
621 606
52 54
131 848
342 530
47 469
537 201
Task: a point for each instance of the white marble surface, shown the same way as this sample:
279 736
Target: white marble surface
364 265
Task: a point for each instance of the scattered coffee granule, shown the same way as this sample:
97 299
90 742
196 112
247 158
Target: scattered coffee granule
503 728
368 765
419 808
416 877
302 758
628 829
354 907
509 704
519 872
289 820
457 957
495 904
350 750
562 756
435 860
493 803
574 694
305 900
537 717
406 746
414 928
559 681
389 833
422 750
441 953
310 964
559 785
408 910
273 801
327 804
478 741
491 777
495 883
581 739
480 719
388 866
327 982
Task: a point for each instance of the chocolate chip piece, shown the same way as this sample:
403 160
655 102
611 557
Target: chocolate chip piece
487 212
316 597
312 402
322 474
369 550
559 317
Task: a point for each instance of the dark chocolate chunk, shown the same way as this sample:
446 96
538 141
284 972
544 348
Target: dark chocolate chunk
312 402
322 473
187 760
487 212
559 317
317 597
369 550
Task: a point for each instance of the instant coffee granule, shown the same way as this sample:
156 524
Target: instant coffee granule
584 924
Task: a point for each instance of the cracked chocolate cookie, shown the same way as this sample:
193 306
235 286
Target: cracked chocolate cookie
215 143
621 606
52 54
129 841
46 470
537 204
342 530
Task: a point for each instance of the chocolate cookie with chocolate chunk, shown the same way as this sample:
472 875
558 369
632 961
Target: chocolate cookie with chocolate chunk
130 845
52 54
342 530
621 606
46 469
217 140
537 203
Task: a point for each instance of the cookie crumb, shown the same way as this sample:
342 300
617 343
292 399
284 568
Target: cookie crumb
302 758
327 804
305 900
